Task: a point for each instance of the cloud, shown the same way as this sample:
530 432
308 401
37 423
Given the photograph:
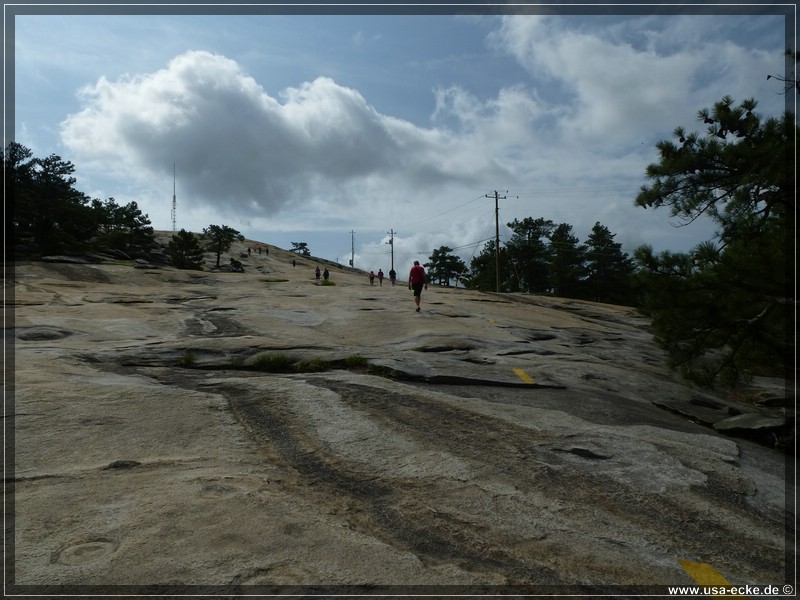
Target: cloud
623 78
240 149
570 134
360 39
465 238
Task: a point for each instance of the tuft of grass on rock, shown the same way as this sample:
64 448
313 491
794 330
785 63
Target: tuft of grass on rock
311 366
328 282
355 361
276 362
187 360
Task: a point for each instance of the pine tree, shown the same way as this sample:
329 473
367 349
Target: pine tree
122 227
608 268
444 266
567 256
528 254
482 274
301 248
46 208
137 227
220 238
723 309
185 251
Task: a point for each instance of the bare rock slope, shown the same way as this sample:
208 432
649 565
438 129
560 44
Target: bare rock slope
258 430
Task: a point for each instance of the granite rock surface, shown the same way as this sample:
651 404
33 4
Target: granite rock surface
263 431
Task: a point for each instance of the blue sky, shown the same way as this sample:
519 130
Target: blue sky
305 127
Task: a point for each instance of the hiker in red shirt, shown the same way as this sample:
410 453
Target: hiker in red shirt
416 281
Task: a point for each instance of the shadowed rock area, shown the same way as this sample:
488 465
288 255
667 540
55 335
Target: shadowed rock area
258 432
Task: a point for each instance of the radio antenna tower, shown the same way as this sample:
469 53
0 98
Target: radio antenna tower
173 198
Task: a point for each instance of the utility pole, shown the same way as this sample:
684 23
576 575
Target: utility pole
391 243
352 247
497 235
173 198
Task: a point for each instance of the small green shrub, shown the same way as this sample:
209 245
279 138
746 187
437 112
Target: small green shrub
328 282
272 363
355 361
187 360
311 366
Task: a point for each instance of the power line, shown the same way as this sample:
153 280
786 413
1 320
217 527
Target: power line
557 191
542 193
455 208
428 220
539 192
415 252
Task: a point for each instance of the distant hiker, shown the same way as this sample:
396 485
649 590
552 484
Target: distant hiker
316 273
380 277
371 278
294 263
248 251
393 276
326 274
416 281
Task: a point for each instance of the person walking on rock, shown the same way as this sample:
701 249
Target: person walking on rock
392 276
380 277
416 281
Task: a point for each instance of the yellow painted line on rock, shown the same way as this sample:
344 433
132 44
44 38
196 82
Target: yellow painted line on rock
706 575
524 376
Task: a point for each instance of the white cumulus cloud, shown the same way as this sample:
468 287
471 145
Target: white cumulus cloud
238 148
568 133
